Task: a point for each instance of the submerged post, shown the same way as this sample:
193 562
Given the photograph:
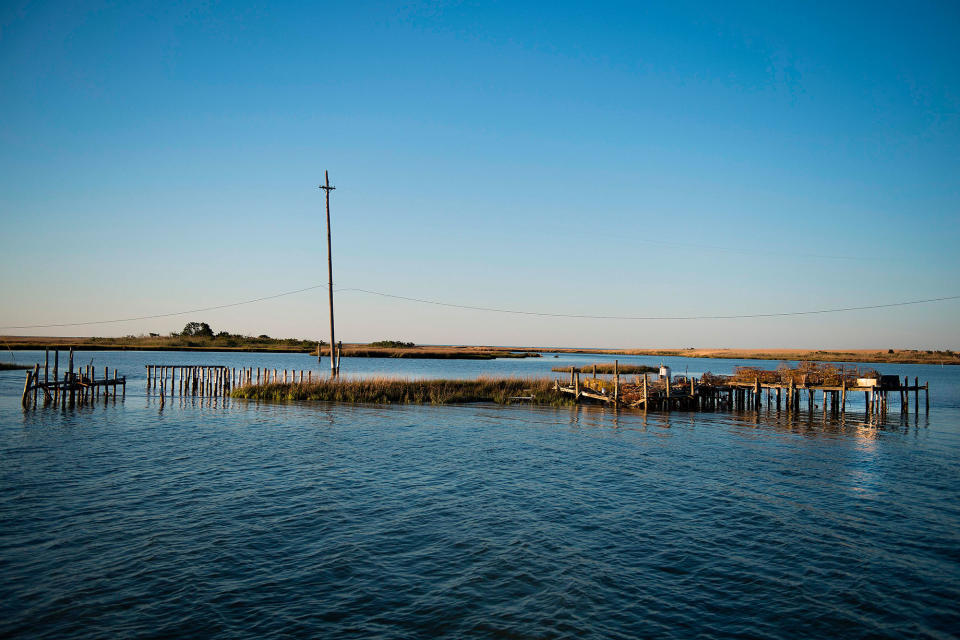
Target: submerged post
916 395
616 381
73 386
26 390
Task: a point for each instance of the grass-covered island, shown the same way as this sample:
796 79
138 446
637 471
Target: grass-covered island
402 391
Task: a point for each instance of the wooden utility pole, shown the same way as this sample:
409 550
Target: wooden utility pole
327 189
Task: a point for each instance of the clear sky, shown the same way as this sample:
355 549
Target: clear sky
702 158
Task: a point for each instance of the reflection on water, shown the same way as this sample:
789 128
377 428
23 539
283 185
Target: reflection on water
210 517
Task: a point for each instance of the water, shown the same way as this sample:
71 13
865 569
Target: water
233 519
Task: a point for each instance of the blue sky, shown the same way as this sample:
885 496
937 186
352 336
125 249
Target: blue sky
581 158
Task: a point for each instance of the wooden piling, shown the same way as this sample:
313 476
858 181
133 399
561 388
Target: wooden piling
56 372
916 394
616 381
73 387
26 390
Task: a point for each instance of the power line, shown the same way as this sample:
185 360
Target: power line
166 315
497 310
705 317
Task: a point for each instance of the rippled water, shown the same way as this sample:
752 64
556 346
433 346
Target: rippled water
227 519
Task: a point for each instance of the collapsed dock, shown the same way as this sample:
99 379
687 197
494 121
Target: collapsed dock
81 387
785 389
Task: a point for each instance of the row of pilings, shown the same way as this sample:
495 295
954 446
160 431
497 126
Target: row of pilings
168 381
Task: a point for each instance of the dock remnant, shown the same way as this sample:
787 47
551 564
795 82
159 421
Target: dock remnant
211 381
745 389
76 387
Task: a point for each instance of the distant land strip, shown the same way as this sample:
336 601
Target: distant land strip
464 352
892 356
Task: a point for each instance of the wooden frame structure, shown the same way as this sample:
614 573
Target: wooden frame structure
690 394
81 387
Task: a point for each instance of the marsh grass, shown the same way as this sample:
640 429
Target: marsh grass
607 368
406 391
814 373
450 353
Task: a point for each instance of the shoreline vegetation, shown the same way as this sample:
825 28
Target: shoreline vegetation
203 339
889 356
608 368
505 391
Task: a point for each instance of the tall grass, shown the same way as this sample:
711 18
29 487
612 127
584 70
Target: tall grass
608 368
405 391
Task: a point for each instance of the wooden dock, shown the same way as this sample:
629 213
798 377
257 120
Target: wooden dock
81 387
721 392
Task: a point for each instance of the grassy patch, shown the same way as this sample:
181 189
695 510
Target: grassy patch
403 391
608 368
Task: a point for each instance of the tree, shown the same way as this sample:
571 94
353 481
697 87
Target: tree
198 329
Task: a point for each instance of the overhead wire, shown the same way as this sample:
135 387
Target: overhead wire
497 310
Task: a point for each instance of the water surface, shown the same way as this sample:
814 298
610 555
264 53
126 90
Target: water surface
236 519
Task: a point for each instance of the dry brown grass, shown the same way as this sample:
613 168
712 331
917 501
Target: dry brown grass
812 373
626 369
406 391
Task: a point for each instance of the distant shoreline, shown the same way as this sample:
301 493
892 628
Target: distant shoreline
468 352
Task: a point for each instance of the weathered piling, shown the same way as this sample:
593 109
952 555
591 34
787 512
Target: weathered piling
204 381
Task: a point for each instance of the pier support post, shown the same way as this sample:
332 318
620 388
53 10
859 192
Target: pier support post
616 382
56 372
26 389
73 386
916 395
